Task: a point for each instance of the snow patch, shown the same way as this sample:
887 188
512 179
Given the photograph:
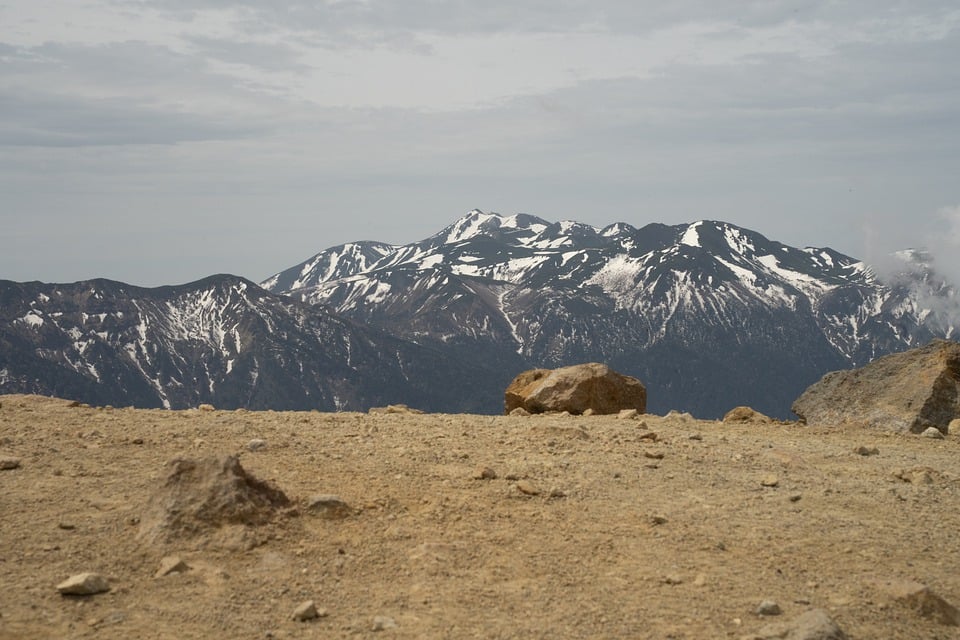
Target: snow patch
691 237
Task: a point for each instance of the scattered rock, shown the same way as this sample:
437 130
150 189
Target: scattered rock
917 475
795 497
558 493
770 481
170 565
484 473
769 608
381 623
206 407
743 415
528 488
954 427
201 495
628 414
575 389
909 391
815 624
589 412
8 463
867 451
654 455
519 411
256 444
682 416
932 432
306 611
330 507
395 408
658 520
672 579
84 584
921 599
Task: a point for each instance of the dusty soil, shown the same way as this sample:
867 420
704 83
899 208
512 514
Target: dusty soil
629 546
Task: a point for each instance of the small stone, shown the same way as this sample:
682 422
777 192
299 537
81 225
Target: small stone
954 427
66 526
327 506
867 451
932 432
528 488
171 564
558 493
520 411
815 624
649 435
769 608
653 455
588 412
256 444
484 473
306 611
795 497
137 441
83 584
6 464
696 436
658 520
381 623
628 414
673 579
770 481
206 407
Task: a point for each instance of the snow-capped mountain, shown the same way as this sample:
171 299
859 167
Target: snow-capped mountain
708 315
222 340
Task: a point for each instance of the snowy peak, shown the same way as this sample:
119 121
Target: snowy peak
491 225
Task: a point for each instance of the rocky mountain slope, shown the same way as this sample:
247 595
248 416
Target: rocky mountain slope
222 340
708 315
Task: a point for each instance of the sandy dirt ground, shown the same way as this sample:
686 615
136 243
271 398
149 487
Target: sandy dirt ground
618 536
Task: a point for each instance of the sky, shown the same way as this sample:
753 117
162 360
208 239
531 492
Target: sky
160 141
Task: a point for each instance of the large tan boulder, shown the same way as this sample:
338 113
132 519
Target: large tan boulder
910 391
575 389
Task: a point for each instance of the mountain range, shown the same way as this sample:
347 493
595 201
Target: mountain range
708 315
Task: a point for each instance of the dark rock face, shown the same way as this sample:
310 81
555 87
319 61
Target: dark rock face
575 389
910 391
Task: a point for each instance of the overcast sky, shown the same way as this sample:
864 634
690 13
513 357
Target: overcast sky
160 141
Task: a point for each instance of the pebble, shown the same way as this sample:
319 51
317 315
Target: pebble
867 451
954 427
83 584
256 444
6 464
932 432
795 497
627 414
558 493
306 611
769 608
206 407
815 624
770 481
528 488
383 622
658 520
171 564
673 579
520 411
328 506
653 455
484 473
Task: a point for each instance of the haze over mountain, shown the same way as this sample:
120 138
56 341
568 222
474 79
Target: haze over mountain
708 315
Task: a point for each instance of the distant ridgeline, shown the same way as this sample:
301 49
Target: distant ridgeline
708 315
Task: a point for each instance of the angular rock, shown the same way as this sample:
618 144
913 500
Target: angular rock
484 473
520 411
206 407
742 415
769 608
328 506
575 389
200 495
170 565
815 624
306 611
933 433
394 408
528 488
381 623
84 584
256 444
8 463
910 391
921 599
867 451
628 414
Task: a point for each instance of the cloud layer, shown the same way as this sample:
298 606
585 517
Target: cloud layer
162 140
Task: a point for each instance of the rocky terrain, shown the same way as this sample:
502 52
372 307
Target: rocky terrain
402 525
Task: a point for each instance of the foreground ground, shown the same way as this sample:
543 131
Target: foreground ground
628 537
